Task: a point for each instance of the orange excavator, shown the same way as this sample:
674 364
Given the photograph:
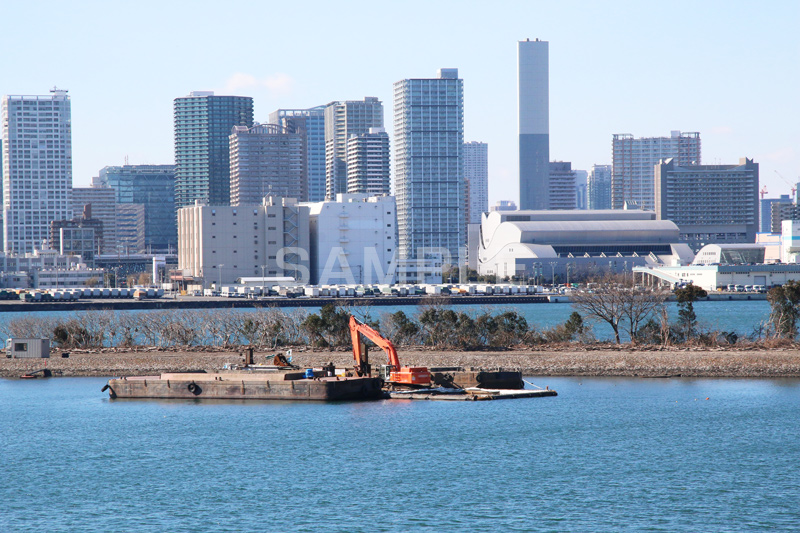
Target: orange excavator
394 373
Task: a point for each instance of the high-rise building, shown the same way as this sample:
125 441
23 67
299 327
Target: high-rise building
632 174
103 207
203 124
368 163
476 178
37 167
598 187
152 186
343 119
267 160
581 184
563 192
1 193
533 101
766 220
780 211
429 166
711 204
130 228
310 123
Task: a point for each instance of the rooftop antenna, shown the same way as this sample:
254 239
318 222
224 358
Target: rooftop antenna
126 160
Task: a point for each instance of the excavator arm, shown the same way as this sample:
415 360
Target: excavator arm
398 374
357 329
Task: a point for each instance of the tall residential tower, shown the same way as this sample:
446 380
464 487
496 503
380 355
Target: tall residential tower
343 119
267 160
533 99
37 168
429 165
368 163
634 161
203 123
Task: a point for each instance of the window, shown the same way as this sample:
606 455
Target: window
20 346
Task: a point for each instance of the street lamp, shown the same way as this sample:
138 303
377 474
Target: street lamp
263 279
553 272
219 271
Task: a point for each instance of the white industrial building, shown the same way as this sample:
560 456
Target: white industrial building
718 266
222 243
529 244
353 240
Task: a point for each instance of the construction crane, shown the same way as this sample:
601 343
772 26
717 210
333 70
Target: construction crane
792 185
393 372
763 191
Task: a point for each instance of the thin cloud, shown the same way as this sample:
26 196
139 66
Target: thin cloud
276 84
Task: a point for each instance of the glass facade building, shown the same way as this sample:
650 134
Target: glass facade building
152 186
429 165
476 175
311 123
203 124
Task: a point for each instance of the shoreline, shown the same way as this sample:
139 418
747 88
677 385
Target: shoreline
557 361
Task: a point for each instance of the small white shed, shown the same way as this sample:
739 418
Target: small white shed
27 348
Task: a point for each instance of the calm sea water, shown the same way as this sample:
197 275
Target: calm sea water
605 455
741 317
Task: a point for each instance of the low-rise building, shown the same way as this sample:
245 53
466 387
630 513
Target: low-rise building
222 243
353 240
577 243
73 278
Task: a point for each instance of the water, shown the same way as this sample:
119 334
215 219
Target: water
741 317
605 455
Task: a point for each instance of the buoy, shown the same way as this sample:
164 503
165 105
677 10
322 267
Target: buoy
706 398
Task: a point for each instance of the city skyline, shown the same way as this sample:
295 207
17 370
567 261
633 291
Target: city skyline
604 60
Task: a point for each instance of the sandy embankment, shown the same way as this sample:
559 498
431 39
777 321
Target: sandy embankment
557 361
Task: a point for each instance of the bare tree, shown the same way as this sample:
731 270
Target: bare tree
641 304
620 304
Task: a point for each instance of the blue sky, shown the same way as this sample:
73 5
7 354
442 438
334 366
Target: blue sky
730 70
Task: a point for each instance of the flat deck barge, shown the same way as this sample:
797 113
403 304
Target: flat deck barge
245 386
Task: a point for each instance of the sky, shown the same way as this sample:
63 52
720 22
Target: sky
729 70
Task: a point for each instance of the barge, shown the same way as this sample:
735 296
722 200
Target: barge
246 385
